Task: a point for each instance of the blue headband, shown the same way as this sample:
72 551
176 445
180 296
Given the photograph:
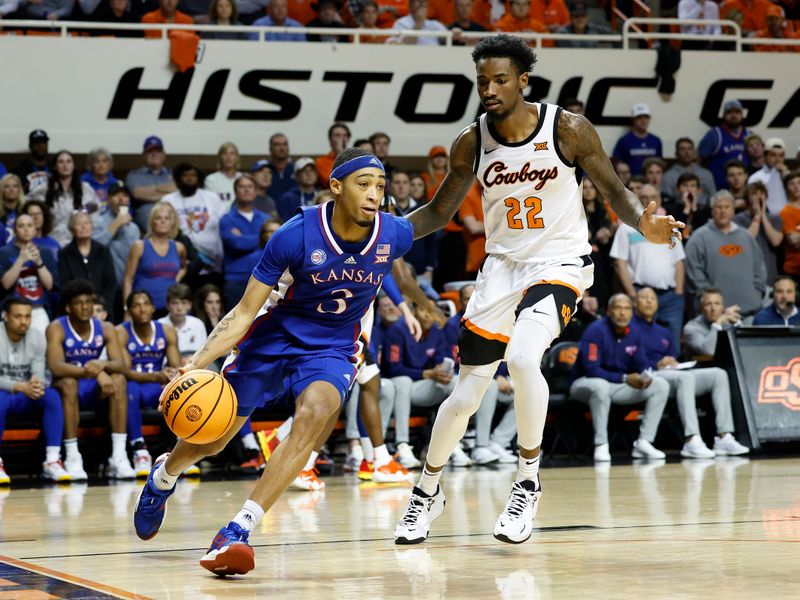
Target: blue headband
356 164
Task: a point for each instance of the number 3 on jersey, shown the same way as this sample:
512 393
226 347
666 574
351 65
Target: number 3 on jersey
534 206
341 303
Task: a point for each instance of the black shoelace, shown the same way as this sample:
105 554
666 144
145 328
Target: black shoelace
415 506
517 501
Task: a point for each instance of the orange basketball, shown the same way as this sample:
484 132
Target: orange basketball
199 406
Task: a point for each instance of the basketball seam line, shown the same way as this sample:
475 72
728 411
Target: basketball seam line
178 410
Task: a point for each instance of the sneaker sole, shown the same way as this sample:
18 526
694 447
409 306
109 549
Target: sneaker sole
238 559
504 538
404 541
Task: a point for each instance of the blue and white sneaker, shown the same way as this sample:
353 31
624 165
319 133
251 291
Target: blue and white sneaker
230 554
151 508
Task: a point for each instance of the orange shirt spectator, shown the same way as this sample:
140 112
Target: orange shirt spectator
790 215
338 139
471 214
776 29
167 13
519 20
751 15
437 169
444 11
390 11
301 10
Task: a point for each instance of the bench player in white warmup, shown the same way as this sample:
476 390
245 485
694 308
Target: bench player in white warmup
529 159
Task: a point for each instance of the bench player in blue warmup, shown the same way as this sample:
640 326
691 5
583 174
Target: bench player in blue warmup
338 254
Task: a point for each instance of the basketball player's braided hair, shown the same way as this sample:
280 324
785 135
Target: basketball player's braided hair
506 46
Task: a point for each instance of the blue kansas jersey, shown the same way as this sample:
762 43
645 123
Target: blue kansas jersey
147 357
78 351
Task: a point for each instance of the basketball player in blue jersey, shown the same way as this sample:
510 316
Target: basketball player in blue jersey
146 346
75 343
528 159
337 254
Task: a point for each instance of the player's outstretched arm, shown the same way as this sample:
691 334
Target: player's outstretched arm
580 141
437 213
232 327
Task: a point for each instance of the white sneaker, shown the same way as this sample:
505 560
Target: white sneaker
728 446
406 457
459 458
504 456
142 463
421 511
74 467
481 455
515 523
695 448
601 453
644 449
55 471
120 468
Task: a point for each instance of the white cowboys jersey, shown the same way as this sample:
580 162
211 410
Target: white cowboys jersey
532 199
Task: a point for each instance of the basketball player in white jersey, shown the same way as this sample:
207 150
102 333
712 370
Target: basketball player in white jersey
529 159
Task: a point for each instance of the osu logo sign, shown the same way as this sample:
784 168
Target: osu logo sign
781 385
730 250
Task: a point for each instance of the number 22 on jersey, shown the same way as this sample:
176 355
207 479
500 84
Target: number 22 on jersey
533 205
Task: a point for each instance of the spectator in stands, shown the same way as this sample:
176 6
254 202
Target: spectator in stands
167 12
686 384
400 189
221 181
783 310
700 334
199 212
380 147
327 16
207 306
699 9
471 215
765 227
790 215
142 7
267 229
114 227
191 330
197 9
721 254
579 24
623 171
151 358
639 264
223 12
262 175
24 392
250 10
84 258
303 194
574 105
750 14
74 346
240 229
736 179
437 169
687 207
150 183
338 140
653 171
98 175
725 141
463 22
278 15
12 198
772 174
778 29
3 169
28 272
418 189
417 20
754 148
686 162
281 166
51 10
117 12
601 233
638 144
612 369
42 224
157 262
33 170
368 18
518 19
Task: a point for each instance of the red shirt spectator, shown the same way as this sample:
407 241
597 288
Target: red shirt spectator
167 13
302 10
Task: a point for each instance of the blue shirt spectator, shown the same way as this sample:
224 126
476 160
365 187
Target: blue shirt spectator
3 169
278 37
657 341
292 200
605 354
638 145
403 355
725 142
783 310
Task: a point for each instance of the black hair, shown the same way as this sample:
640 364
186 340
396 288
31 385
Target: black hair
683 140
361 141
735 162
377 135
55 189
506 46
789 176
338 125
75 288
687 176
15 300
777 279
182 168
47 216
98 299
133 294
349 154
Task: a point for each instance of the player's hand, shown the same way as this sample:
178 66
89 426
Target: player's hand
667 361
504 385
171 372
27 388
439 375
163 377
188 366
93 368
106 384
658 229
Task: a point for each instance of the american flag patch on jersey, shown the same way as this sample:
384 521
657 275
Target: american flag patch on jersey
383 249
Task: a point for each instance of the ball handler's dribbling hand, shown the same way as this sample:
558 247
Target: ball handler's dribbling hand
178 373
660 229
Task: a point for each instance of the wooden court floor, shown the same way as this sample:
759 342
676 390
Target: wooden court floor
716 529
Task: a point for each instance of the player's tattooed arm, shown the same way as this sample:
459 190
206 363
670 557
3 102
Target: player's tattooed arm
579 142
437 213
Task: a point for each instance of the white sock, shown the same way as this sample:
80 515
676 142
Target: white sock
250 515
528 468
249 441
381 456
119 445
285 429
52 454
163 480
369 450
429 482
357 452
312 460
71 448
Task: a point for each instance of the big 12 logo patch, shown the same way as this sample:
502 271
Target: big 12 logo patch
781 385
